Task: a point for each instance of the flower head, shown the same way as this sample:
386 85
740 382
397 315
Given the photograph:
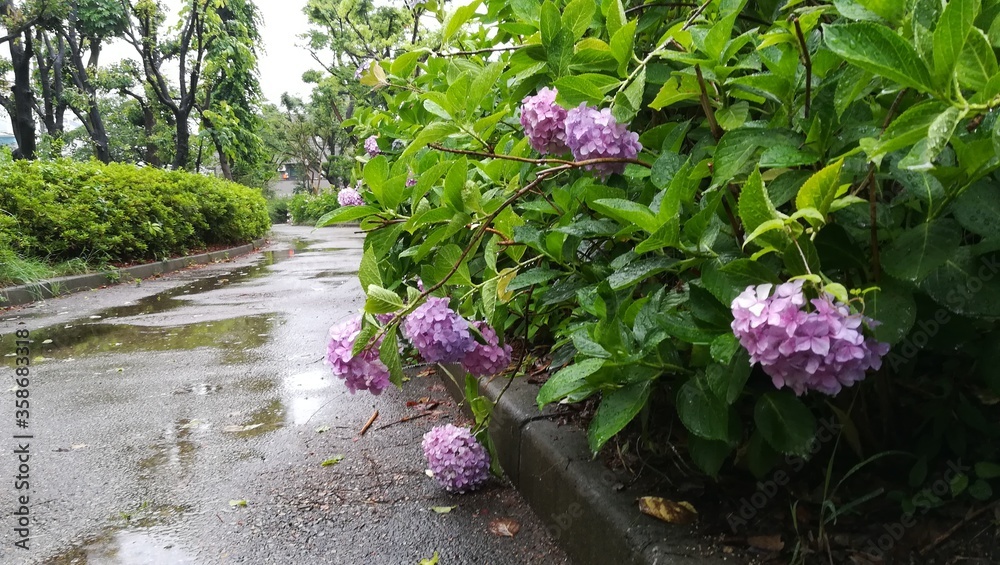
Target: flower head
438 333
822 348
371 146
594 134
544 122
487 359
349 197
457 461
411 181
363 371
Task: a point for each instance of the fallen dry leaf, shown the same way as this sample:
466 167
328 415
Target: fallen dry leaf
667 510
767 543
504 527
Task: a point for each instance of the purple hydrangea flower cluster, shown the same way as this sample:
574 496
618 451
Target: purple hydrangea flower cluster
823 349
438 333
544 122
360 372
349 197
595 134
489 358
371 146
457 461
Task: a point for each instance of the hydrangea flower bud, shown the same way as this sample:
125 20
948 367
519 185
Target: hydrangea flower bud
457 461
595 134
544 122
349 197
438 333
487 359
360 372
821 349
411 181
371 146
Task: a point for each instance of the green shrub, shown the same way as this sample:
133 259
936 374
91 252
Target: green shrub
277 209
307 208
63 209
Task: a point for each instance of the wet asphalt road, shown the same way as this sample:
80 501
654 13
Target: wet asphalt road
157 408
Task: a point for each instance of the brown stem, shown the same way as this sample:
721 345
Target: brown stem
733 222
707 106
542 161
480 51
807 61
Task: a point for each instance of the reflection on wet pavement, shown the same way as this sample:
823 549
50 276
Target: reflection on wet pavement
140 539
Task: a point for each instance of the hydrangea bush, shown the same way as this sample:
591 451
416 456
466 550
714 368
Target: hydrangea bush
741 216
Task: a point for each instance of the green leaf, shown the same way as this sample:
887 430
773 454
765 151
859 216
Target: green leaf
637 271
457 19
622 43
966 284
702 412
755 209
345 214
577 16
910 127
614 16
617 409
729 280
567 380
454 183
922 155
877 49
718 35
368 272
920 250
768 85
952 28
892 305
978 209
382 301
332 461
890 10
978 62
708 455
405 64
736 149
526 10
987 470
432 133
784 422
388 353
627 213
676 89
550 23
538 275
574 89
819 191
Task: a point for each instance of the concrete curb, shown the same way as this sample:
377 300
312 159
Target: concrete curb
577 497
24 294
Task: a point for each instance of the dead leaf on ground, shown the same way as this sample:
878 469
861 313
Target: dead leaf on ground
667 510
505 527
443 509
767 543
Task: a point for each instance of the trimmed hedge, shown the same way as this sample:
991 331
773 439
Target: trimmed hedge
63 209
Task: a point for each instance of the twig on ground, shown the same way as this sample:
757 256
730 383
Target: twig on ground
369 423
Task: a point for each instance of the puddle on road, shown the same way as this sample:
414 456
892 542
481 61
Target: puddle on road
236 337
264 420
176 449
335 274
138 540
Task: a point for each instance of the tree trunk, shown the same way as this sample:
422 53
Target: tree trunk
23 119
148 123
183 143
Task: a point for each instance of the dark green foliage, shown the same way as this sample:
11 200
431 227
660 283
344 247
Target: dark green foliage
308 208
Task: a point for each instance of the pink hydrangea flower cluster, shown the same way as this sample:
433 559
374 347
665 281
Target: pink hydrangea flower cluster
488 358
371 146
821 349
544 122
457 461
595 134
438 333
360 372
585 131
349 197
